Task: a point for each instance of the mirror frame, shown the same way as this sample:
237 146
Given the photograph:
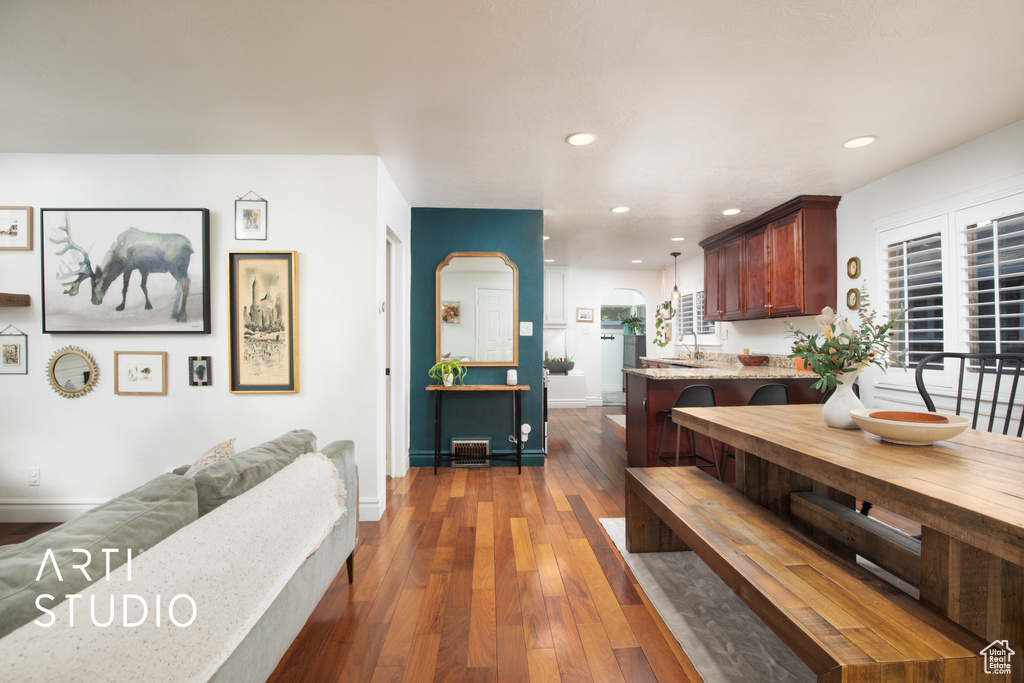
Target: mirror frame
94 372
515 307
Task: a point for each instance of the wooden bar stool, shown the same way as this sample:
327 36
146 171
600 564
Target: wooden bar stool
696 396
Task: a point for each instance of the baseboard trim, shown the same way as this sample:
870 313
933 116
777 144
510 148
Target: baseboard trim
372 510
15 511
555 403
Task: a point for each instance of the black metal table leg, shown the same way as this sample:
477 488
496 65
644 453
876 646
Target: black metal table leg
437 429
517 410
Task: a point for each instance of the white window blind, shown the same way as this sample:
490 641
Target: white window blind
994 276
913 271
691 314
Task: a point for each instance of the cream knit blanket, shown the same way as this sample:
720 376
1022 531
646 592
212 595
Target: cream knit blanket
232 563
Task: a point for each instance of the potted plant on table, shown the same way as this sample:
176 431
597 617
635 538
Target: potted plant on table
448 372
840 351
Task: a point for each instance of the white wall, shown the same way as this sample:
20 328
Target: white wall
332 210
586 288
960 177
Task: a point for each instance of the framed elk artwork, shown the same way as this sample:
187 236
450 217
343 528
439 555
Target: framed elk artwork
263 321
144 271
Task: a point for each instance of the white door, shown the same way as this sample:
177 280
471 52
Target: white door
493 324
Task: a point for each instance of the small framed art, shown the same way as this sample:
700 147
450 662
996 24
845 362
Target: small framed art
263 322
584 315
853 299
853 267
140 373
13 352
199 371
451 312
16 228
250 219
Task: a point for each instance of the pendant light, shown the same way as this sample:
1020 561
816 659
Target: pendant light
675 268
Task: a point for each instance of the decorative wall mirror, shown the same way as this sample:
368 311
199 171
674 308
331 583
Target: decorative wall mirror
72 372
478 308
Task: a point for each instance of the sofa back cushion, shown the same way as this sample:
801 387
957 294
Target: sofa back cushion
136 520
222 481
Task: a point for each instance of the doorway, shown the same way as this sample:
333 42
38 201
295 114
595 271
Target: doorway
617 305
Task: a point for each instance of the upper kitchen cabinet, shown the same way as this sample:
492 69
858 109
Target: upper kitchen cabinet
781 263
556 291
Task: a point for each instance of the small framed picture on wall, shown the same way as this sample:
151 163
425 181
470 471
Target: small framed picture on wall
199 371
140 373
584 315
16 228
13 351
250 219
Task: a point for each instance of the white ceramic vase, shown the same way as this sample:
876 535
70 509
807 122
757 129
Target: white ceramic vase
449 379
836 410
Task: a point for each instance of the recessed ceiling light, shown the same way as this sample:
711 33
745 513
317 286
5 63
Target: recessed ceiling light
859 142
579 139
547 237
678 239
620 209
637 261
549 260
730 212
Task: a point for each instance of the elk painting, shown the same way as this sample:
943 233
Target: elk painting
159 259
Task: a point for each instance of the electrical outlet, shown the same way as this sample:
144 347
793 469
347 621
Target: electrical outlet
33 476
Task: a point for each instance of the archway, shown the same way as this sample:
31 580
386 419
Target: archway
617 305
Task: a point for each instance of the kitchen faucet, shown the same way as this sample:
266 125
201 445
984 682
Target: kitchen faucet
697 355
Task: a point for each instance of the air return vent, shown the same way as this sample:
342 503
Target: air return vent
471 452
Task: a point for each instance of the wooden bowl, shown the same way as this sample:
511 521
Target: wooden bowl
751 361
907 416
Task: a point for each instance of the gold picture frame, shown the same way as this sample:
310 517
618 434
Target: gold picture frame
15 228
140 373
263 322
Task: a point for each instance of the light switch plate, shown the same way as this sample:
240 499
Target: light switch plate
526 329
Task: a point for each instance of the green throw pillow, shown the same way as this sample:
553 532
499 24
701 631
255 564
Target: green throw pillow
137 520
222 481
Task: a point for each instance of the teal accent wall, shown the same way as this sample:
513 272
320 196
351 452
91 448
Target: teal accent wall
519 234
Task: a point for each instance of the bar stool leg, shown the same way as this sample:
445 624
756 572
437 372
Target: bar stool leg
678 430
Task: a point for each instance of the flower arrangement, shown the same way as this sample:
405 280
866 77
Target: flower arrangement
841 348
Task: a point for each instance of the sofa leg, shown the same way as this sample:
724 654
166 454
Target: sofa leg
348 565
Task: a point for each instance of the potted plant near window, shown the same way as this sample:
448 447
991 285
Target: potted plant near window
448 372
634 324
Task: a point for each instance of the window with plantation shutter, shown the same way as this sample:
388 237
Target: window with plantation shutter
913 273
993 273
691 314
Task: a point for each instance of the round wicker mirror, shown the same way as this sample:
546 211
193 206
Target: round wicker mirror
72 372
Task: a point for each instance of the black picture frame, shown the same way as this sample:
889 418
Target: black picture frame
263 322
79 254
200 371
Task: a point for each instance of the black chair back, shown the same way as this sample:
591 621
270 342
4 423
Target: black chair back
770 395
998 379
696 396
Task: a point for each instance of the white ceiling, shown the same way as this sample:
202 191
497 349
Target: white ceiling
698 105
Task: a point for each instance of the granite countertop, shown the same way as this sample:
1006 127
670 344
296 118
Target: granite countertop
716 370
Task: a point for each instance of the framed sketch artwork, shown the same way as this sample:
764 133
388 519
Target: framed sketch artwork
140 373
262 316
250 219
16 228
13 351
144 271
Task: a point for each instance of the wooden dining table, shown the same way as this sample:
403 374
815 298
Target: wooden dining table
967 493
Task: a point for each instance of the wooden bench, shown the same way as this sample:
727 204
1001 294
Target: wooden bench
842 621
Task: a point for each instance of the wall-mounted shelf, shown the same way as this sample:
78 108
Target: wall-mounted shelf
15 299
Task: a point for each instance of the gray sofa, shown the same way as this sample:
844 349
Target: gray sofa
164 506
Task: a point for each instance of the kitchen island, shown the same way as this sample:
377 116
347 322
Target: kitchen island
651 390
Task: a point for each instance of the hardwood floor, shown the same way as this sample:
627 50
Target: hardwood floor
483 575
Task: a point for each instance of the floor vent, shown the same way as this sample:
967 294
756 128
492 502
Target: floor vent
471 452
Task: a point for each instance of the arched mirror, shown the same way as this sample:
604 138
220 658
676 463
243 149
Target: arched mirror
72 372
478 308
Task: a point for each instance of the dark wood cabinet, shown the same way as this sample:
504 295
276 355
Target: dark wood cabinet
781 263
712 309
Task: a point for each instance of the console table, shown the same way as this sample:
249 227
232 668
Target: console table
517 417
